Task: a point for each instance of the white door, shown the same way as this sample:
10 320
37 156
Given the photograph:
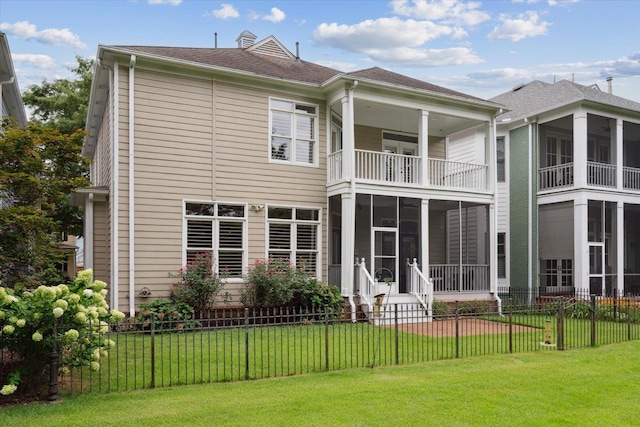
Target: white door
385 258
399 168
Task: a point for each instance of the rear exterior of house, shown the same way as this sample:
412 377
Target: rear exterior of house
568 191
251 153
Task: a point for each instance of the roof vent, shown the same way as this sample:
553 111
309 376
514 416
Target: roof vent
518 87
246 39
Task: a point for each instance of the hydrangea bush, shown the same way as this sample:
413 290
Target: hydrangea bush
81 317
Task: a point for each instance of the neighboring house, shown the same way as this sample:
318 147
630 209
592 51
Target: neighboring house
12 105
252 153
568 190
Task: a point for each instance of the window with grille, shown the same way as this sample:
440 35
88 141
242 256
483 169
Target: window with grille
500 171
218 229
293 132
294 235
502 256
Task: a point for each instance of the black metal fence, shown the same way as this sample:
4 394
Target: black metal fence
248 344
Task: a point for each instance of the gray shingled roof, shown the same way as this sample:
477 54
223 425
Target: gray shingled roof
243 60
537 97
284 68
386 76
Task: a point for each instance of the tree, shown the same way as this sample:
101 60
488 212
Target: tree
39 168
62 104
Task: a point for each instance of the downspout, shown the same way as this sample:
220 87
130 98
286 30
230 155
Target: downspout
529 212
132 246
353 193
494 222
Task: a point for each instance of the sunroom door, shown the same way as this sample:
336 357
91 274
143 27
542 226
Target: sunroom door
385 258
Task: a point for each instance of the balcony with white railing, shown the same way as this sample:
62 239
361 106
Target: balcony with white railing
555 177
631 178
601 174
404 170
459 278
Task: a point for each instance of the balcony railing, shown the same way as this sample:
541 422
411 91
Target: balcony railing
601 174
459 278
631 178
375 166
557 176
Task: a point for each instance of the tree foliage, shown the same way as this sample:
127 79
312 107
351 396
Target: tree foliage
62 104
39 168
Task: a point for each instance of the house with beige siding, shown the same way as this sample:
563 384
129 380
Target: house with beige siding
251 153
568 190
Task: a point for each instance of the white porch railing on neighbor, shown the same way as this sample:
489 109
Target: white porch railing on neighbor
459 278
601 174
555 176
420 287
365 285
631 178
334 166
387 167
445 173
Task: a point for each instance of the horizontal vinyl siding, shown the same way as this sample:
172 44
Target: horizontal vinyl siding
243 171
101 246
467 147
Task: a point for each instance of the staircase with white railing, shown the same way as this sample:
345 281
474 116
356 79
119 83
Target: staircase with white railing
382 307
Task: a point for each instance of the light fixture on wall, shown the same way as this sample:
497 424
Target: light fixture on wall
145 292
256 208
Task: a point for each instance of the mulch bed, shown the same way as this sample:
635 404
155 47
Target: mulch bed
467 326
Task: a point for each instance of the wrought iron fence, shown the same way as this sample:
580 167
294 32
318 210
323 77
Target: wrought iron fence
235 345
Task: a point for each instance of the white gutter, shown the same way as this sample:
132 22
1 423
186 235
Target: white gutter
494 224
352 190
132 246
115 172
529 213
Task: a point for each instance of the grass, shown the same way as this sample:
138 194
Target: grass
594 386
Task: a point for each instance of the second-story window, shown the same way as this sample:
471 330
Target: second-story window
293 132
500 159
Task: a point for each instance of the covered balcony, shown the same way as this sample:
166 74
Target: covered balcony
612 149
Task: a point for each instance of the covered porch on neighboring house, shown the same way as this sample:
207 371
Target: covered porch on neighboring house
591 151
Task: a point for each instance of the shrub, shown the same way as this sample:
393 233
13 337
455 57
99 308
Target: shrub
199 284
439 308
166 315
74 317
276 283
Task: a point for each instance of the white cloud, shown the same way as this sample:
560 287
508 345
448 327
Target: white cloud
410 57
169 2
379 34
52 36
342 66
524 25
226 11
462 13
275 16
37 61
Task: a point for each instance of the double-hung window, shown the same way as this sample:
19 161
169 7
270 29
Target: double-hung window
218 229
294 235
502 255
293 132
500 171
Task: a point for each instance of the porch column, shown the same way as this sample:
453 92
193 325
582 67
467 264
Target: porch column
581 244
348 230
619 144
490 155
580 149
348 142
424 238
423 147
620 247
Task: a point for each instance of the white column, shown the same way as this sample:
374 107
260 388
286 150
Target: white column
619 144
620 247
348 143
423 147
580 149
348 229
581 244
424 237
490 155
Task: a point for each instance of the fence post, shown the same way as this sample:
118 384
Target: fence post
560 325
614 291
510 325
246 343
396 337
457 330
628 318
153 350
326 337
592 309
53 366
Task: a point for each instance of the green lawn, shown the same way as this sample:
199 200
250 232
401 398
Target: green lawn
594 386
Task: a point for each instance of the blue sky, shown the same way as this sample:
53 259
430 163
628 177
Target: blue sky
482 48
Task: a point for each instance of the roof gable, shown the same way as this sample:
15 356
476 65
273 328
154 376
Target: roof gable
271 46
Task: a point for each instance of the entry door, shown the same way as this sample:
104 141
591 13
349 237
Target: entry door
556 275
596 268
385 256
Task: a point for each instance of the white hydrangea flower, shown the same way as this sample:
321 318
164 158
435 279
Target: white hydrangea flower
88 293
95 366
37 336
8 329
57 312
20 323
8 389
72 334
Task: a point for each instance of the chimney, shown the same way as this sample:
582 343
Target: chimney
609 82
246 39
215 40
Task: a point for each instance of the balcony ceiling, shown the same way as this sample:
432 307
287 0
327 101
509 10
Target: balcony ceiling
395 118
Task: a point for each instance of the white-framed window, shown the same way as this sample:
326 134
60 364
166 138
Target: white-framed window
293 128
502 255
500 163
219 229
294 234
